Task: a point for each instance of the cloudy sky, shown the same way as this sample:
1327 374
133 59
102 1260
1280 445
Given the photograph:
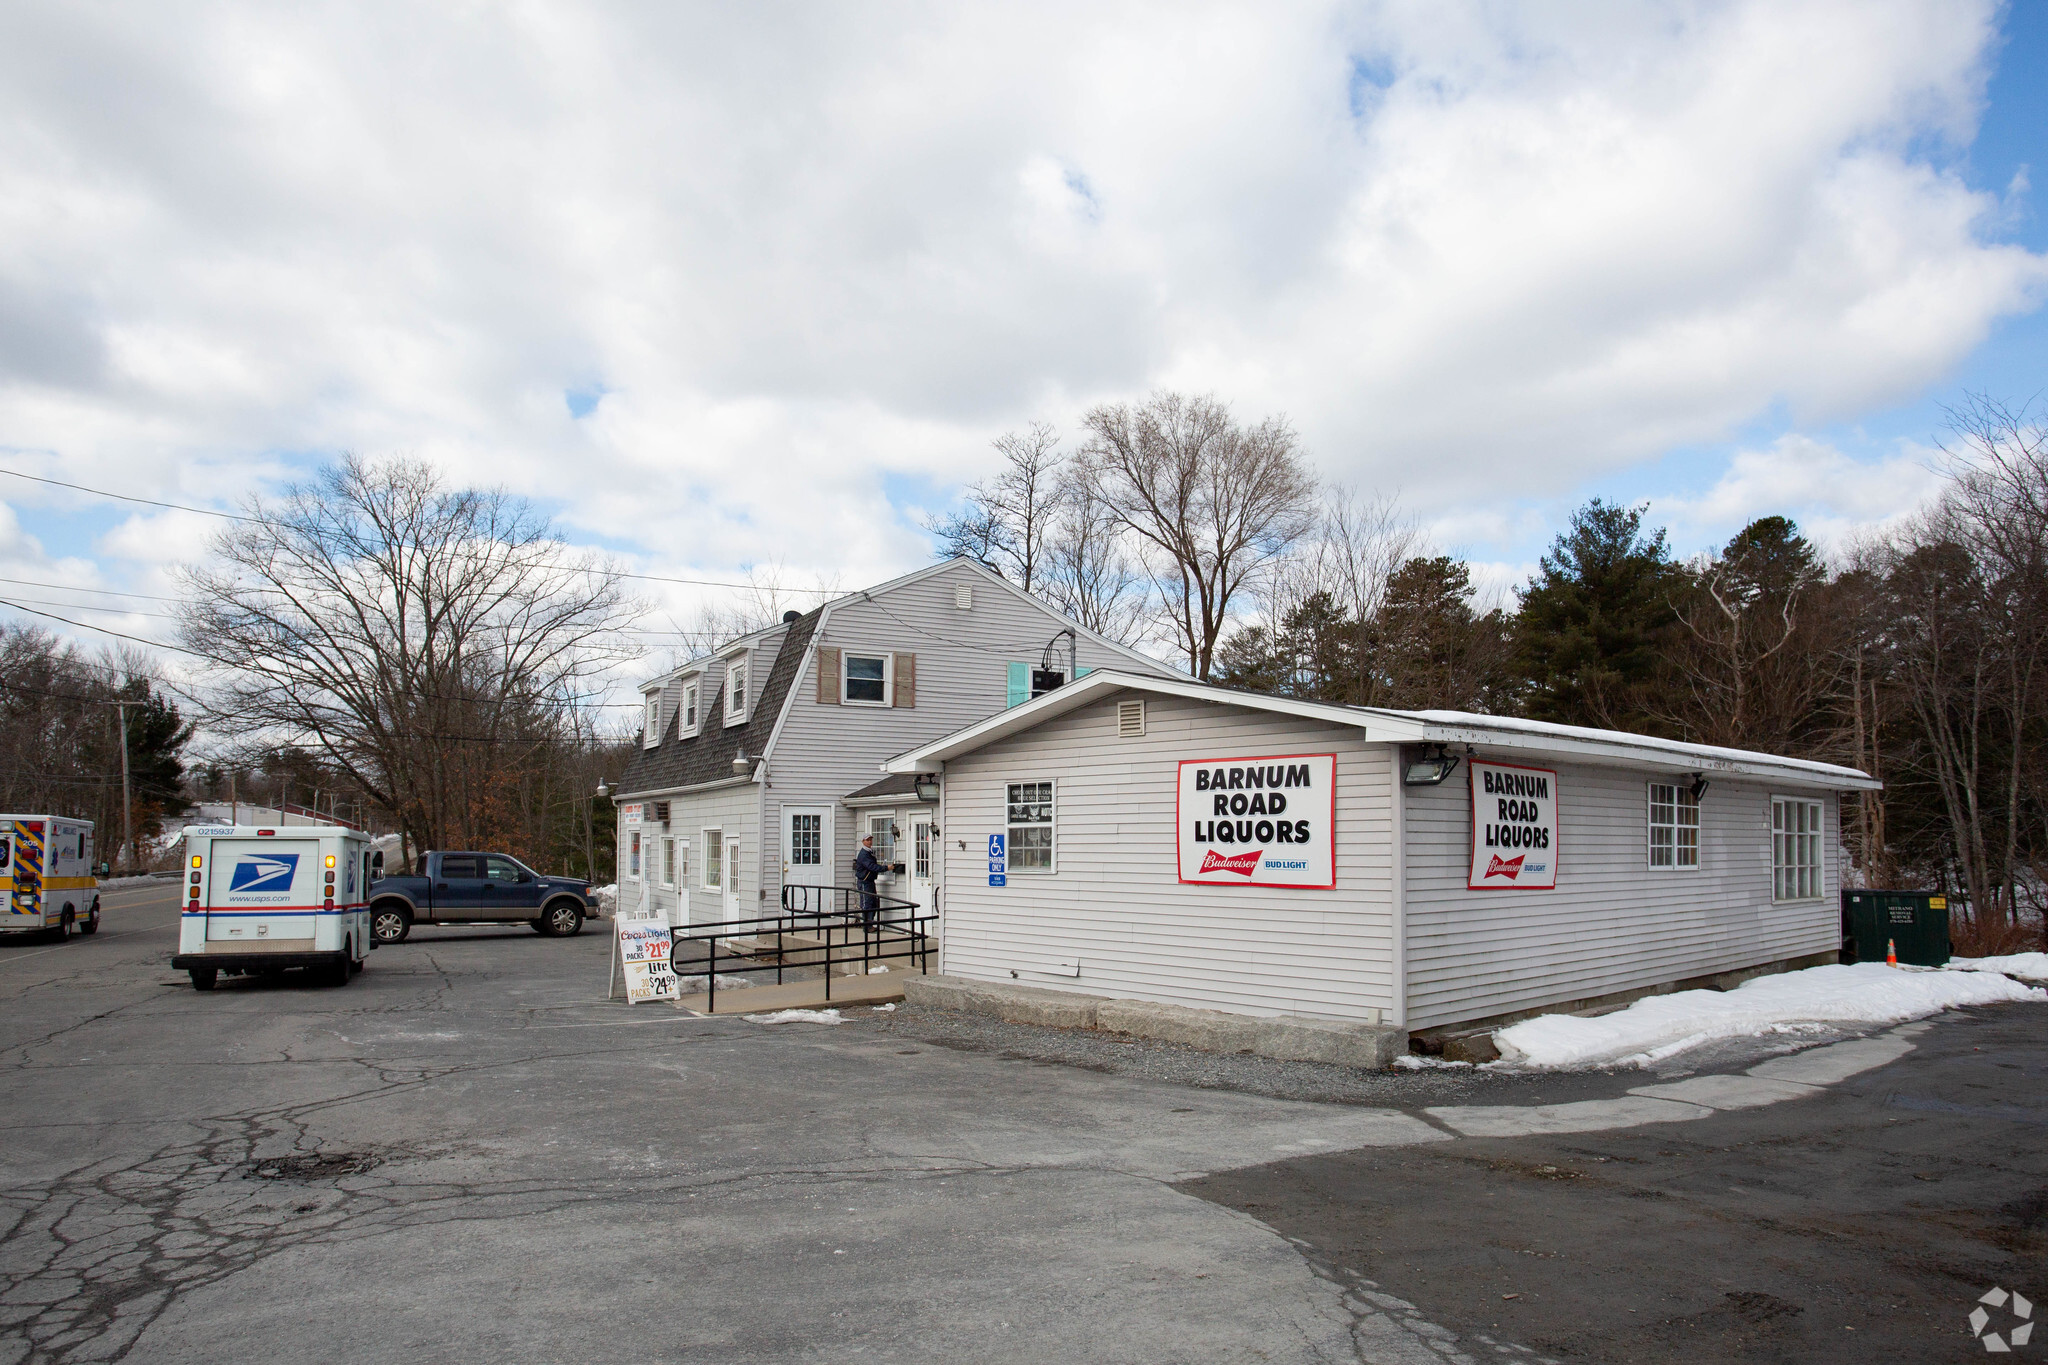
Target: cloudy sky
725 286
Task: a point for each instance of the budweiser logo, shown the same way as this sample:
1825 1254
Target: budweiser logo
1510 868
1244 863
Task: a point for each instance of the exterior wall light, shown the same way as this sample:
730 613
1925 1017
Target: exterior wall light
741 764
1699 788
927 788
1431 769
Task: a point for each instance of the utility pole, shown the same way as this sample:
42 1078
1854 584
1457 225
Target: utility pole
127 798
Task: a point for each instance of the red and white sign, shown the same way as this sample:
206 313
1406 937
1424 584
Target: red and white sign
1514 828
1265 821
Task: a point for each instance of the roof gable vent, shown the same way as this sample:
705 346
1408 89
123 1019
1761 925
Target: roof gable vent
1130 718
963 597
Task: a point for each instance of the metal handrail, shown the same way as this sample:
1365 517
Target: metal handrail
878 939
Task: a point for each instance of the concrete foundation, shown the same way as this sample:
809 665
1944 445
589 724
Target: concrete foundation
1281 1038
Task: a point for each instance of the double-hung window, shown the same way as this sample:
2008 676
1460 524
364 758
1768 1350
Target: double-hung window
1795 848
668 862
651 734
689 708
736 690
883 828
713 863
1029 821
632 856
1674 827
866 680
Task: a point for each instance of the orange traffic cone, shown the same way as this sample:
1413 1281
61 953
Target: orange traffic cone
1891 953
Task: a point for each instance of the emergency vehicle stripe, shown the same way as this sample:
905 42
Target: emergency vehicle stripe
28 866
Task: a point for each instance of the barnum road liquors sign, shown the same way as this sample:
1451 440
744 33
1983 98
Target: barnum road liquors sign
1514 827
1267 821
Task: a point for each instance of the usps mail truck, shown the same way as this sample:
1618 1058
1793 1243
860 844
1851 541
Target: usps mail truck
46 876
260 899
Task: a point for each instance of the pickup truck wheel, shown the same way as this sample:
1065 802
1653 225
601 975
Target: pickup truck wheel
203 978
562 919
390 922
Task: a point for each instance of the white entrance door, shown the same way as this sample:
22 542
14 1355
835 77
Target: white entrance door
921 864
732 879
807 848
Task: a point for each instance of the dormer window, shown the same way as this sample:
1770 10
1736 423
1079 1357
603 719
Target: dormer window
650 735
736 695
689 726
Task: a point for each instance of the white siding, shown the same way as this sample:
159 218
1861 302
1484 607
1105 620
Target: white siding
1115 903
1612 924
734 809
963 657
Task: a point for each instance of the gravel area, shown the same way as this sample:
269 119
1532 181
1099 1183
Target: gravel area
1174 1064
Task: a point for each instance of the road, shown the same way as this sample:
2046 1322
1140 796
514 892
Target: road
468 1154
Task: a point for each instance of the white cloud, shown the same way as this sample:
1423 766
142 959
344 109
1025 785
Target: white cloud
803 250
1835 499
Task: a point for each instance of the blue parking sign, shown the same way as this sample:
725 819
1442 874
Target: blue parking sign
998 879
995 847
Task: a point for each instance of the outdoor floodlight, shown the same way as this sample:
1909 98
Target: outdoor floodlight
927 788
741 764
1699 788
1431 769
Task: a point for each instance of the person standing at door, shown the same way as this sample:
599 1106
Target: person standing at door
867 867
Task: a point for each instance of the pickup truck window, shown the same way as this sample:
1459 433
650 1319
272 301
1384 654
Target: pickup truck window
463 866
502 870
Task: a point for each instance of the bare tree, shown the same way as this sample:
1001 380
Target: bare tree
1089 574
767 596
1213 505
432 643
1009 518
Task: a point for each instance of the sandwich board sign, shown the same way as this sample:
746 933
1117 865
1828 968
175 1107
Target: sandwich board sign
640 954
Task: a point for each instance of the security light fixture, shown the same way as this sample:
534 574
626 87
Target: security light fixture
741 764
927 788
604 789
1431 769
1699 788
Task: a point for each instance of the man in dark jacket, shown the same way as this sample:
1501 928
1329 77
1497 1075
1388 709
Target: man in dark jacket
867 867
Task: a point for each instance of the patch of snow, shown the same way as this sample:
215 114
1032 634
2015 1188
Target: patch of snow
878 970
687 984
795 1017
607 897
1660 1026
1410 1062
2032 966
883 1009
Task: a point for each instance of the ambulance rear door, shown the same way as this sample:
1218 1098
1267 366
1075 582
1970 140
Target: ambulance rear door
25 894
263 891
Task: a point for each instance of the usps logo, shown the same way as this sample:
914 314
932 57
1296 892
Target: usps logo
265 872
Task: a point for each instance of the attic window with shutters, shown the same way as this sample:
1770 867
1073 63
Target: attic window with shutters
1130 718
866 680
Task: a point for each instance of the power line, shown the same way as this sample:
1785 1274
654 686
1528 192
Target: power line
266 521
102 592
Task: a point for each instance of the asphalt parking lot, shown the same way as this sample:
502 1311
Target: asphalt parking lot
467 1154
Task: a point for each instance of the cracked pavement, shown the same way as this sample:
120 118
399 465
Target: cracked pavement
466 1153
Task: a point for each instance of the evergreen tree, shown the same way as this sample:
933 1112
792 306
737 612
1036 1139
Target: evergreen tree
1593 620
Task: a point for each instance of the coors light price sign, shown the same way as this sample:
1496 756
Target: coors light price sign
1267 821
1514 827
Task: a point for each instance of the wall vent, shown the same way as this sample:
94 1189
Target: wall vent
1130 718
963 598
661 813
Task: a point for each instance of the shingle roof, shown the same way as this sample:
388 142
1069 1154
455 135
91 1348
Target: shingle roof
707 755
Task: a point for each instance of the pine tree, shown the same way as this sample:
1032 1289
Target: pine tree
1593 620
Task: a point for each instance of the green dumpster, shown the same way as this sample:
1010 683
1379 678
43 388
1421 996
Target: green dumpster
1915 921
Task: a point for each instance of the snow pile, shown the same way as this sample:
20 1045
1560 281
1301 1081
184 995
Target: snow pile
607 897
1408 1061
794 1017
2032 966
1660 1025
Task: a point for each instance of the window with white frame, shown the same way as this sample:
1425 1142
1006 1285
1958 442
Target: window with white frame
864 679
1029 821
633 856
713 864
650 734
1674 827
1795 848
921 851
736 690
668 863
882 825
690 708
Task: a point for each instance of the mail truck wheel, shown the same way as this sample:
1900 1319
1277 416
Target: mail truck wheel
92 921
338 973
203 978
562 918
390 922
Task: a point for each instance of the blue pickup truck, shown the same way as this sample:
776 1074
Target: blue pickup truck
475 888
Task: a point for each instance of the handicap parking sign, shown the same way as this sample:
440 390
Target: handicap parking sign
997 863
995 847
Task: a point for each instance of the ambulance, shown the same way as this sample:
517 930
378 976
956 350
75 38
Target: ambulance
46 876
260 900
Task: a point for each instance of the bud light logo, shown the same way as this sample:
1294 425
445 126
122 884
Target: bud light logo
265 872
1244 863
1510 868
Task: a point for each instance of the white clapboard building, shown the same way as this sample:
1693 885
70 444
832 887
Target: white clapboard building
759 763
1156 839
